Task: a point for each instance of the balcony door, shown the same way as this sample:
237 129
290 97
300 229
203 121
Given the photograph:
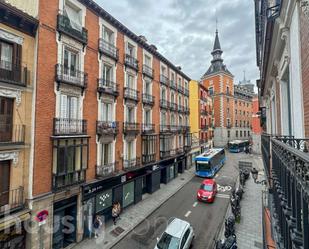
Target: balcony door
74 15
6 119
108 35
130 81
107 75
69 114
106 154
4 183
130 115
70 64
107 112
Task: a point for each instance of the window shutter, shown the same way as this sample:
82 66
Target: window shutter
73 111
63 106
17 58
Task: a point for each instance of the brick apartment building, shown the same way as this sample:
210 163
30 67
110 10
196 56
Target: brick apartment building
232 103
282 36
201 116
18 27
111 119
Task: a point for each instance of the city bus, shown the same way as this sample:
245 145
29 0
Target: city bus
209 163
238 145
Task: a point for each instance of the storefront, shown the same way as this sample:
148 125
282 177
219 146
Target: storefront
181 162
65 211
13 238
170 168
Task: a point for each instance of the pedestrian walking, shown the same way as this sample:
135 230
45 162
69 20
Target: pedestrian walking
254 173
118 210
97 224
114 213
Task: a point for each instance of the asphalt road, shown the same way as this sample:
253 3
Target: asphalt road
205 218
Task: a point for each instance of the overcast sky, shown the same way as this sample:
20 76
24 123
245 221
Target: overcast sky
184 31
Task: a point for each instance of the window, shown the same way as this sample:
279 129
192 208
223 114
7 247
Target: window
236 123
130 150
227 90
6 119
173 77
228 111
173 122
106 154
163 118
69 107
130 50
130 114
179 82
147 117
245 133
107 73
163 94
180 138
236 134
185 238
180 121
130 81
248 133
179 100
211 91
147 61
106 112
74 14
6 55
228 100
172 97
108 35
236 111
163 70
149 145
240 133
70 62
228 134
186 102
147 87
235 102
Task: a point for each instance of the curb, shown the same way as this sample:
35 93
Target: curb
124 234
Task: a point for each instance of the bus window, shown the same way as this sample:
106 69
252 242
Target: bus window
200 166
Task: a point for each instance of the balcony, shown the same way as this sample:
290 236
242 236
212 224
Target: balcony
103 171
165 154
108 49
64 26
131 128
164 80
71 77
181 89
148 71
148 128
173 106
11 200
175 128
108 87
180 108
186 128
164 104
186 110
204 112
203 141
149 158
286 165
131 94
179 150
186 92
204 127
165 128
105 128
14 73
68 179
129 164
148 99
131 62
173 85
12 134
69 127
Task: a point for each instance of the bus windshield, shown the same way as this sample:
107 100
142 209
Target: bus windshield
200 166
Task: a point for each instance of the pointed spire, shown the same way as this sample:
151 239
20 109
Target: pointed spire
217 45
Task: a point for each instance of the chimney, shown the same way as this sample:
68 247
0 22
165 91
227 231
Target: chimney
153 47
179 68
143 38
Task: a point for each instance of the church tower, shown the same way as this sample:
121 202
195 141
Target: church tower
220 83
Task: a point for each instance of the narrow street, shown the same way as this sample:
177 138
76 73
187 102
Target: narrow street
205 218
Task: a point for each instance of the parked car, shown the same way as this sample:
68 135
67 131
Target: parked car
207 191
179 234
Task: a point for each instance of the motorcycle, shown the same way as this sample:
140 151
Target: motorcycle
229 243
229 226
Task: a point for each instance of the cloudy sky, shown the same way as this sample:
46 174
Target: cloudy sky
184 31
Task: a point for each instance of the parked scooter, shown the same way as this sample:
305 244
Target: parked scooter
229 226
229 243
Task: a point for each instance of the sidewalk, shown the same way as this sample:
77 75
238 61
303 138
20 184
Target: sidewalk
134 215
249 231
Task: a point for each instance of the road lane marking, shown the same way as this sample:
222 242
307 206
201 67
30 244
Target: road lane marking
187 214
223 196
195 204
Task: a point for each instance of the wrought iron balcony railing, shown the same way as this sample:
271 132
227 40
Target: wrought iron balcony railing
204 112
14 73
131 62
11 200
108 87
12 134
107 128
69 127
131 163
131 94
164 104
165 154
164 80
186 110
148 99
203 141
180 89
68 179
148 128
71 76
131 128
175 128
148 158
106 170
173 106
148 71
165 128
108 49
204 127
180 108
66 26
173 84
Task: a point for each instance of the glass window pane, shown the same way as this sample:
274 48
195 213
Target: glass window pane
78 158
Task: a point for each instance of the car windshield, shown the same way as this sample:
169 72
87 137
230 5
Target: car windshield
203 166
167 241
206 187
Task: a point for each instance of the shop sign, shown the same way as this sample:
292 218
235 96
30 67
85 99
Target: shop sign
123 178
104 200
92 189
